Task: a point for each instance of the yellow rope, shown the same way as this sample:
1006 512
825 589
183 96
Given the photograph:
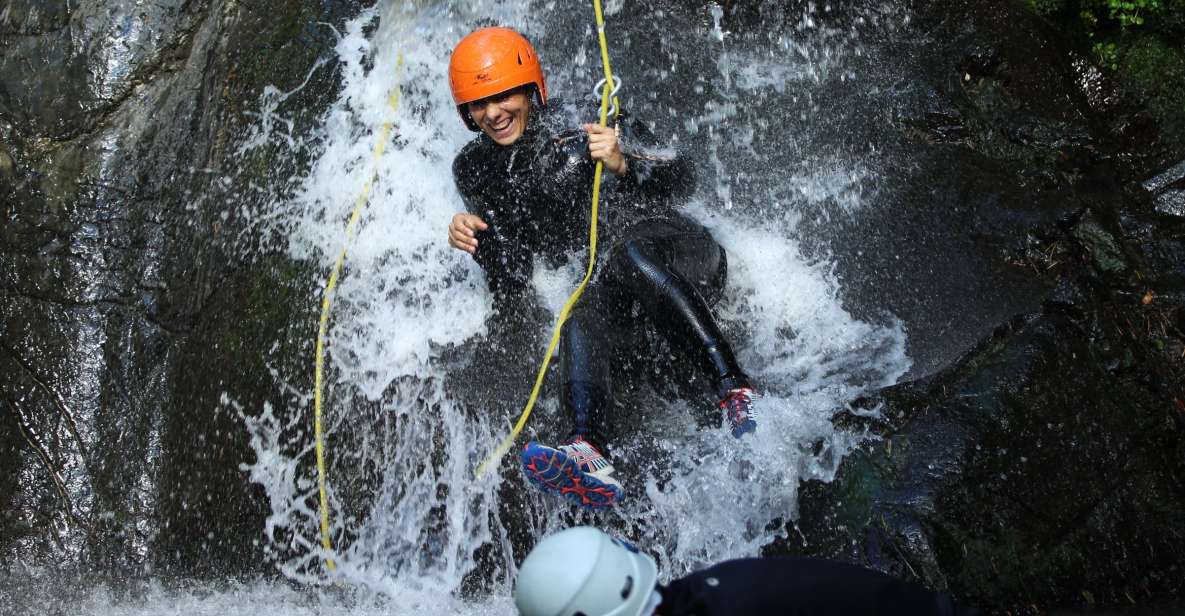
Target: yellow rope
508 442
326 301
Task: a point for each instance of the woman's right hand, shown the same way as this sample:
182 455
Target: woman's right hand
462 232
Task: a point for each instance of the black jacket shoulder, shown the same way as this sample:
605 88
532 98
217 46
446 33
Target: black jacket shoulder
800 586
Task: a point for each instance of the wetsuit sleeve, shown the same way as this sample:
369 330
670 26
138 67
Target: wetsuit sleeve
504 259
793 586
655 169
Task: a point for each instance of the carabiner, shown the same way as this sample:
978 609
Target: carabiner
598 91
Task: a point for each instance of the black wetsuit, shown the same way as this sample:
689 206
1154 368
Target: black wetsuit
535 196
800 587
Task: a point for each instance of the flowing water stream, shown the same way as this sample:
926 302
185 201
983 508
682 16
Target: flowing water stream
414 401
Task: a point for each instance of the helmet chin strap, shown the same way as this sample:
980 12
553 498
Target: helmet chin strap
652 605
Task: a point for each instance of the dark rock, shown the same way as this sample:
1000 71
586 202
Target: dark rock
67 65
1024 476
1102 247
1039 465
1168 257
1171 202
207 514
122 295
1001 153
1168 189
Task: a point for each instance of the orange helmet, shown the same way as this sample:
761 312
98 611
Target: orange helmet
490 61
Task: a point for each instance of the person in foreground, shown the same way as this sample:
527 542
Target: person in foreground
583 571
526 182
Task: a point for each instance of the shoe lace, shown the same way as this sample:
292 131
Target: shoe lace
584 454
738 404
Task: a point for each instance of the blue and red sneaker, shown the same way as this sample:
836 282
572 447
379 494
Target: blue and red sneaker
574 470
738 410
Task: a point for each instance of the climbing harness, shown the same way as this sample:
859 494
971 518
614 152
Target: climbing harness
327 299
608 90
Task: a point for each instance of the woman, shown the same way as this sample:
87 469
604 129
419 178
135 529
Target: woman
526 181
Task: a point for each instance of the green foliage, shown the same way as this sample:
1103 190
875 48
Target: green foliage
1130 12
1113 27
1104 14
1159 70
1045 7
1106 54
1151 61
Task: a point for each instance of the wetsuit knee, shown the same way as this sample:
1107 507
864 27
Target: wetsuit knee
643 265
646 262
636 264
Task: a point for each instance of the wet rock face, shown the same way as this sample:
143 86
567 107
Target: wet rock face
123 301
1039 463
67 63
1043 466
1043 471
1077 473
983 163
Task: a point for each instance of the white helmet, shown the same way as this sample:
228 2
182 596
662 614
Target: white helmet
583 571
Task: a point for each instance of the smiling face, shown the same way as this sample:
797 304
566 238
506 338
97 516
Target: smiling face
502 116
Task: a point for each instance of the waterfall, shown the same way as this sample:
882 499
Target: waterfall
411 404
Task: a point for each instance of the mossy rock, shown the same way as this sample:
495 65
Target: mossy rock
1039 473
1158 69
261 318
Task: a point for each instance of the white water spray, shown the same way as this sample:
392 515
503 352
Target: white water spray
407 298
414 531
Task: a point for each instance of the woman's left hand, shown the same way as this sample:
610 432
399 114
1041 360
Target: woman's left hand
603 146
